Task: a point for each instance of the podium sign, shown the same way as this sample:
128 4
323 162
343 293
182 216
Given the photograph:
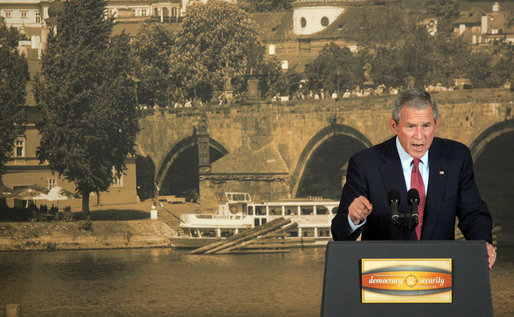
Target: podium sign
406 281
406 278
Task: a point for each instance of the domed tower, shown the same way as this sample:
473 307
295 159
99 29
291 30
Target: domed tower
311 16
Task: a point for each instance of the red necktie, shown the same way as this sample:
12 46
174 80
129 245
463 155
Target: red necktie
416 181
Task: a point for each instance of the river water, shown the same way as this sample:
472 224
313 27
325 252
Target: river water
166 282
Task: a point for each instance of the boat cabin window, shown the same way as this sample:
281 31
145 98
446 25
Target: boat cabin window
321 210
237 208
275 210
334 210
308 232
208 232
191 232
257 221
292 232
238 196
291 210
307 210
250 210
225 233
260 210
323 232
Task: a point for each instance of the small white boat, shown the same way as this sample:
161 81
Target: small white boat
237 212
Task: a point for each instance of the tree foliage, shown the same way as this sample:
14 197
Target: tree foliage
372 25
151 51
87 99
386 68
493 67
14 75
265 5
273 80
335 68
215 43
395 41
448 60
415 54
445 11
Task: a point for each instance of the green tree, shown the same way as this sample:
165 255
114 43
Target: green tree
14 75
335 68
87 98
151 51
214 45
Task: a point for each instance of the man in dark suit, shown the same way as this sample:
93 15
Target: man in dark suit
441 169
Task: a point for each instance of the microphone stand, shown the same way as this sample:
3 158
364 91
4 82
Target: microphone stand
405 224
414 214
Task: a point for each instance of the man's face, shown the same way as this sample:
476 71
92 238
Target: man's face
415 130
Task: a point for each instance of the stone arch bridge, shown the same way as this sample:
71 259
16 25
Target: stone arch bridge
298 148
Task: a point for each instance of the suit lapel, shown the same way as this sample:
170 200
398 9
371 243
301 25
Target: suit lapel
391 171
436 184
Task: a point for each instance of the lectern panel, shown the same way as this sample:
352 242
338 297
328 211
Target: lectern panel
342 288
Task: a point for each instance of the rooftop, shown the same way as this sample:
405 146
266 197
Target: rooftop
266 160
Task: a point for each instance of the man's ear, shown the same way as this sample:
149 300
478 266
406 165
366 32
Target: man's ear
394 126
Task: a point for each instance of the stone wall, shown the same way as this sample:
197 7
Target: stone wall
298 128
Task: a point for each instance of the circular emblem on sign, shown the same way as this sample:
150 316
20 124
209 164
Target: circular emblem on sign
411 280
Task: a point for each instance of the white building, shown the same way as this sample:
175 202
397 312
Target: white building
29 17
140 10
311 16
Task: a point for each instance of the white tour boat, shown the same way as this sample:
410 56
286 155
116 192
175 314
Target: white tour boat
237 212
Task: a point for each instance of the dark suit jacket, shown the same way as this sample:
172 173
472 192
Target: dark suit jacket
452 192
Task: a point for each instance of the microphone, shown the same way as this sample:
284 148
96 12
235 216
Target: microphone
394 203
413 199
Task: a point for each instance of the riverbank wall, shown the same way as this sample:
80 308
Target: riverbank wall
80 235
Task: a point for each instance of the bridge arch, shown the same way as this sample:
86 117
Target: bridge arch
478 145
178 149
314 144
493 154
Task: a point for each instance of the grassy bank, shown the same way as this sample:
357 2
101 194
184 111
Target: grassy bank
83 235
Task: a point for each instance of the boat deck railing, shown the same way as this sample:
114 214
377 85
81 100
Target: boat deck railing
206 216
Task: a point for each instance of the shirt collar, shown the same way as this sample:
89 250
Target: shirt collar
406 159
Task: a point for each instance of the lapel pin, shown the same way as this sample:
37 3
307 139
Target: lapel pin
441 172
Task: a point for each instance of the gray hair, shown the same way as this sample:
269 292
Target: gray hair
413 98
